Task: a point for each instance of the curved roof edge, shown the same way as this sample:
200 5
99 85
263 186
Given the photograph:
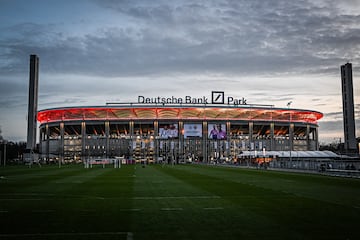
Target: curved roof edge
141 105
184 112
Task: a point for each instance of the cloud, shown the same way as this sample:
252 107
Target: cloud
269 52
254 37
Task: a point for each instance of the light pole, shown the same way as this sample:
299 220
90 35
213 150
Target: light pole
5 153
290 137
4 142
340 149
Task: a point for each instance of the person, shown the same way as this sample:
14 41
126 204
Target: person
173 131
165 132
221 134
214 132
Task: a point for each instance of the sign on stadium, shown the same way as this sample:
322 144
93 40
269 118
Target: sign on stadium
217 97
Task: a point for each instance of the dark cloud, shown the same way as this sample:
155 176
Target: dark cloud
237 37
65 102
9 87
334 126
12 93
251 46
334 115
339 115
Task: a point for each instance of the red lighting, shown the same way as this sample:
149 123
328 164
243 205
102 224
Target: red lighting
171 113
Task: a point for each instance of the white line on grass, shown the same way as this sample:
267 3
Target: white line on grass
43 211
87 210
22 199
129 235
130 209
27 194
62 197
77 182
171 209
213 208
174 197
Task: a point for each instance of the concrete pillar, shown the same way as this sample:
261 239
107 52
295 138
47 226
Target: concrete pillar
251 131
62 141
272 137
291 137
33 102
107 137
47 142
83 141
205 141
308 145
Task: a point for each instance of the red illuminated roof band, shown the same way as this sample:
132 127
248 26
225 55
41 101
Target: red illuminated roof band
178 113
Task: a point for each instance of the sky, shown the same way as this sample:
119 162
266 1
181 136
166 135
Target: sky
97 51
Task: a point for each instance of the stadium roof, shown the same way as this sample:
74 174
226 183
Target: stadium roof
183 112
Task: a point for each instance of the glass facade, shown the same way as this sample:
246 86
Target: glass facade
171 141
174 133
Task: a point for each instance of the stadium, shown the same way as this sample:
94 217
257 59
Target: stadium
175 130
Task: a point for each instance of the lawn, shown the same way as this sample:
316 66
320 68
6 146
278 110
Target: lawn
175 202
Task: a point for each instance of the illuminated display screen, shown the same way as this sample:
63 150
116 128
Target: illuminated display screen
192 130
168 130
216 131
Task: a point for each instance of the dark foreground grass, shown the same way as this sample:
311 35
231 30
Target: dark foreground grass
175 202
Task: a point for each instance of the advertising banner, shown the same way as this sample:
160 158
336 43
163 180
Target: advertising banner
192 130
216 131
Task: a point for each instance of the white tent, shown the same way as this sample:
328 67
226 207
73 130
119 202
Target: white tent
286 154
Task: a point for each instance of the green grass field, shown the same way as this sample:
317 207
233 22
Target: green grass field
175 202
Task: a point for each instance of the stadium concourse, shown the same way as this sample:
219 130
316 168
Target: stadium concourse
168 133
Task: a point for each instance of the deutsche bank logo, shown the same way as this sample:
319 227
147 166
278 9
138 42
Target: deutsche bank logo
217 97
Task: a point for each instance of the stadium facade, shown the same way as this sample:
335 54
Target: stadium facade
175 129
